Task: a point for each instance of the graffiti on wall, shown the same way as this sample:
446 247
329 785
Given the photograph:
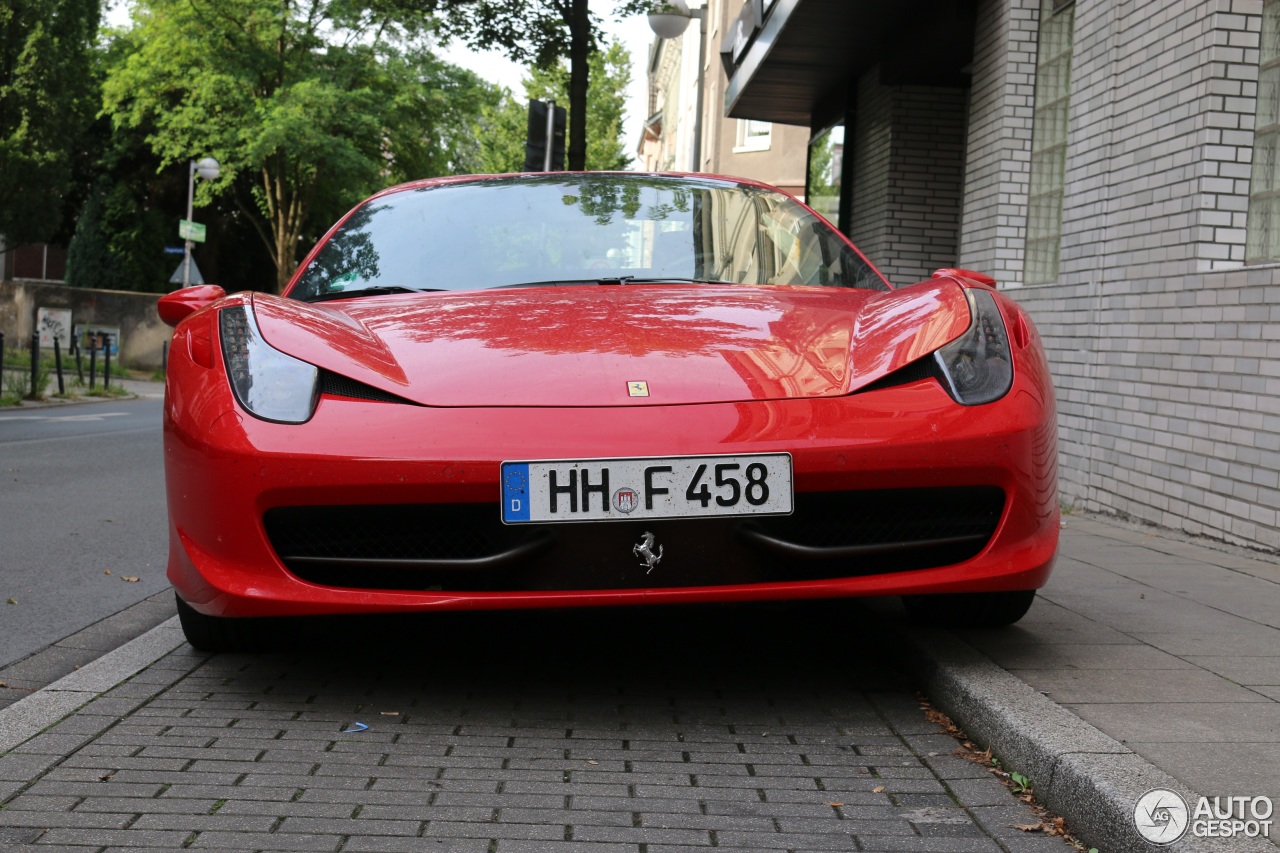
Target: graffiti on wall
54 323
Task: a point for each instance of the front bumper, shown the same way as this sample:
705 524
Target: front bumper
225 471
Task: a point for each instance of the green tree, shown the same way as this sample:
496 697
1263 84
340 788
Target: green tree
119 240
89 260
46 102
128 207
502 129
308 105
535 32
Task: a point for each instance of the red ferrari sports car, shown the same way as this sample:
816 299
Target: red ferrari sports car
562 390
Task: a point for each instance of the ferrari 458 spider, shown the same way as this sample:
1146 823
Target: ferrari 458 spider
564 390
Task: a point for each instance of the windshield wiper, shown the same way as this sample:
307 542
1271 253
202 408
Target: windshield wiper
554 282
373 290
663 279
609 280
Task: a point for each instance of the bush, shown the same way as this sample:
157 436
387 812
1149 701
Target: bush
17 377
17 373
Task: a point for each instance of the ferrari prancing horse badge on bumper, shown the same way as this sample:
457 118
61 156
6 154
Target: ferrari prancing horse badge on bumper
644 550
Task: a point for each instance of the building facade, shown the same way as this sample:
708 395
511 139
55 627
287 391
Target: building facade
679 138
1115 164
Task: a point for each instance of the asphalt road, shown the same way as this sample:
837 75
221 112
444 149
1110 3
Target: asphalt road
81 494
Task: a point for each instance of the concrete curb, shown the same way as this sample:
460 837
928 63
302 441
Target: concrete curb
1078 772
138 389
27 717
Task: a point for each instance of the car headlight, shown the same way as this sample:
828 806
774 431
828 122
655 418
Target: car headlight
977 366
269 384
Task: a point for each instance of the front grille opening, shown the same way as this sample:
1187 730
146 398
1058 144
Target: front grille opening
885 530
467 548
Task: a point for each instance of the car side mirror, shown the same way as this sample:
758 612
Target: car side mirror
949 272
181 304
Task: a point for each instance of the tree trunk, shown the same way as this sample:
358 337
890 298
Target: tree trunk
285 265
579 49
286 210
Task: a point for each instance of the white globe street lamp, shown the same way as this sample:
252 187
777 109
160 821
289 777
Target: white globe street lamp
209 169
669 19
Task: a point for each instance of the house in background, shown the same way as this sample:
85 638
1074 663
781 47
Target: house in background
677 138
39 262
1115 164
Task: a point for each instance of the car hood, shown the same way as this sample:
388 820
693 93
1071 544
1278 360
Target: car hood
584 345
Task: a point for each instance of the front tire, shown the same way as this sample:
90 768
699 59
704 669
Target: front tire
215 633
970 609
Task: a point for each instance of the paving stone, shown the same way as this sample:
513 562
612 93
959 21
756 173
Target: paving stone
591 752
390 844
240 841
786 840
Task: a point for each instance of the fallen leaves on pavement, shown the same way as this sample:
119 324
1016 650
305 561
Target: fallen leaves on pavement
1018 785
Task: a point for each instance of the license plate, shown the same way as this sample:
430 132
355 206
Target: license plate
621 489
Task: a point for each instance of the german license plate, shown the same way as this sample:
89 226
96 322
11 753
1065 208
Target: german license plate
619 489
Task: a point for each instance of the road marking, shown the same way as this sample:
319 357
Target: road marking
64 418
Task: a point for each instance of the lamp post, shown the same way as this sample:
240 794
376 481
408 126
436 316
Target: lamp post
669 19
208 169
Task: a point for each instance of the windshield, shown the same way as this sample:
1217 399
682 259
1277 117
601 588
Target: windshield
571 228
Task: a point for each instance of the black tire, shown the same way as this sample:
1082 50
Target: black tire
215 633
970 609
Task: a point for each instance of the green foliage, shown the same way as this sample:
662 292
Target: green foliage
500 136
540 32
501 129
46 102
535 32
308 106
118 242
13 388
17 376
823 192
89 261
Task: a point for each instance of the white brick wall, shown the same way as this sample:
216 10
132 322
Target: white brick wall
1165 347
1001 102
870 140
1163 98
908 144
1169 399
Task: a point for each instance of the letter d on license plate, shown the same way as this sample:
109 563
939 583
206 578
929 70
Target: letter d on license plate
673 487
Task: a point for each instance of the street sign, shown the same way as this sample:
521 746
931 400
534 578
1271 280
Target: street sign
192 231
195 278
175 250
545 127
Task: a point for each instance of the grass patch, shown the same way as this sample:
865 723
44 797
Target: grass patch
15 378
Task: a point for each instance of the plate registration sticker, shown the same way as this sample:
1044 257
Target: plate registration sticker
634 488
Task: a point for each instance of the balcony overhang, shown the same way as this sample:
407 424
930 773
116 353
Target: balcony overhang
795 61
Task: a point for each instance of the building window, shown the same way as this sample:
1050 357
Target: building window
1049 141
1263 240
753 135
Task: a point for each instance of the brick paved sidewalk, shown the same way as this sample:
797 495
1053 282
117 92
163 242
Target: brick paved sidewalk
648 731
